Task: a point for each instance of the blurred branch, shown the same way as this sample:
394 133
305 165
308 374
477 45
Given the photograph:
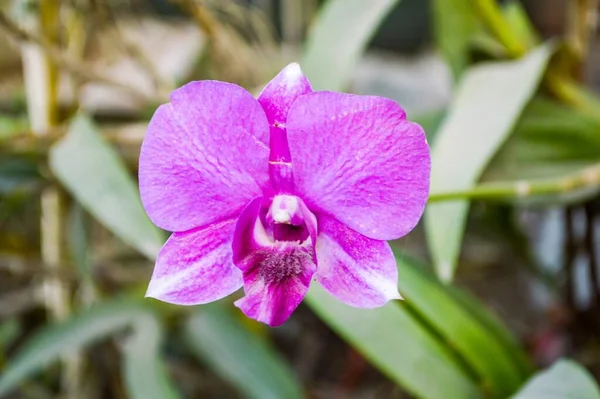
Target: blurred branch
233 55
492 15
202 16
30 143
41 77
556 80
582 19
19 301
161 85
573 93
83 71
587 178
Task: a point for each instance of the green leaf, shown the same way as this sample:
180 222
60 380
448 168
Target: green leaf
94 174
476 342
552 145
549 140
78 241
488 102
493 326
9 331
97 323
430 122
455 23
11 126
564 380
516 16
395 341
144 370
239 356
338 38
18 174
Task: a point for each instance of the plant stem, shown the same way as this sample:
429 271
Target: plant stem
587 178
563 87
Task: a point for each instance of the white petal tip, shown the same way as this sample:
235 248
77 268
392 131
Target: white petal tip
292 73
293 70
150 294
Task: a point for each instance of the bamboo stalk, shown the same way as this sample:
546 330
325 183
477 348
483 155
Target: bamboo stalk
41 87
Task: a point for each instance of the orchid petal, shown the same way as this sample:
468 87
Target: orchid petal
276 99
279 94
204 156
357 270
358 159
196 267
273 303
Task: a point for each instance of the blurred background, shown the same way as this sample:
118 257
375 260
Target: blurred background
500 277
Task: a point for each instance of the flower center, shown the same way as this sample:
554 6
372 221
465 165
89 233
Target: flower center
286 220
282 264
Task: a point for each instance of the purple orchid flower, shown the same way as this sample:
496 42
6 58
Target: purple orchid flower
270 194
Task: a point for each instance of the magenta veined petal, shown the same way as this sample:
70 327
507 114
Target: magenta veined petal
279 94
357 270
358 159
272 303
196 267
204 156
276 99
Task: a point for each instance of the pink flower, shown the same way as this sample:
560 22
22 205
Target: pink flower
270 194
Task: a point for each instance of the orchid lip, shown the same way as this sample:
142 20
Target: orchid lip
273 246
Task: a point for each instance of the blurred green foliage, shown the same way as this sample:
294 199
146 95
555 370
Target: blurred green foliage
519 128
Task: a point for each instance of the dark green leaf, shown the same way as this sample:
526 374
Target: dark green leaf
97 323
144 370
9 331
18 174
493 326
399 345
78 236
476 342
238 356
549 140
455 23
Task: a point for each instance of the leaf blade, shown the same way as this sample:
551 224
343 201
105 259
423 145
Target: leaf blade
110 195
144 371
564 380
332 49
240 357
475 341
398 345
455 23
490 99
